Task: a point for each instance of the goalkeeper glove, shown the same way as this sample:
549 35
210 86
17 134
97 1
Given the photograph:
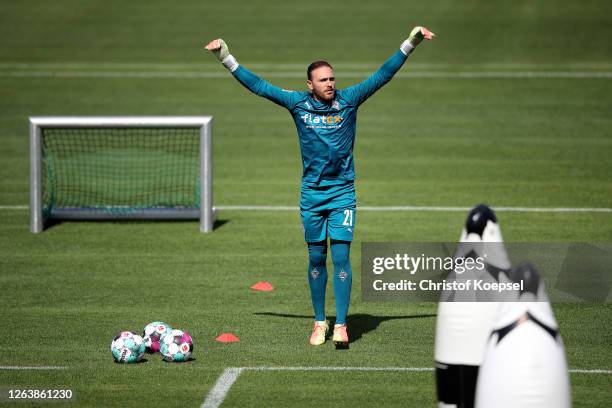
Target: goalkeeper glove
219 48
416 36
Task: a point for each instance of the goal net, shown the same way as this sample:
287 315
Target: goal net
104 168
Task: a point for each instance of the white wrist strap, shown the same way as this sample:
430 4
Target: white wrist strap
406 48
230 63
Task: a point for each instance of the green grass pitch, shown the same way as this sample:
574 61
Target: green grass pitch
544 141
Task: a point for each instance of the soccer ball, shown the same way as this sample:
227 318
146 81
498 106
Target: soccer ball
176 345
152 333
127 347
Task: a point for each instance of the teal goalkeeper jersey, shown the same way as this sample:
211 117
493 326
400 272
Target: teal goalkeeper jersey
326 130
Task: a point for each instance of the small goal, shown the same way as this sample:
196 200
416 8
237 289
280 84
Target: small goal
112 168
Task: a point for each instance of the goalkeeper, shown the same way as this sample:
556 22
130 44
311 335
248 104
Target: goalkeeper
325 119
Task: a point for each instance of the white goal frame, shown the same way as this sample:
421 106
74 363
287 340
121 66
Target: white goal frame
205 213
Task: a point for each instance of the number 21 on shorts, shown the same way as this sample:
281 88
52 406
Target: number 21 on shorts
348 218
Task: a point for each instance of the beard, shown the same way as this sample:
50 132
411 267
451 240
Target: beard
325 96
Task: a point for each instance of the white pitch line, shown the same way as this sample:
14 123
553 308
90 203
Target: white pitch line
18 368
497 209
291 74
397 369
113 74
295 66
422 208
407 208
417 369
256 208
593 371
219 391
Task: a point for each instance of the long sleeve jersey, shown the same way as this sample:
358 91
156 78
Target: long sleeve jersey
326 130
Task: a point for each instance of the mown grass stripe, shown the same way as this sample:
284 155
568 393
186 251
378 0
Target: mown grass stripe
290 74
224 383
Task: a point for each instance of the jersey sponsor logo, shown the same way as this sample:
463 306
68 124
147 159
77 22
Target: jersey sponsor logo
322 121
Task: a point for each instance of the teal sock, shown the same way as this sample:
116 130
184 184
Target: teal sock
317 277
343 279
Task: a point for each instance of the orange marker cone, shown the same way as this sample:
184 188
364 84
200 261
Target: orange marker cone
227 338
263 286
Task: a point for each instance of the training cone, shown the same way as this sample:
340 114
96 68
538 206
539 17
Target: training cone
227 338
263 286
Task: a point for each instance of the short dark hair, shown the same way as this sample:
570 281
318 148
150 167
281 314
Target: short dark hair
315 65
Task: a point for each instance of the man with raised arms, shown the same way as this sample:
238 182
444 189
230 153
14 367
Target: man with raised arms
326 122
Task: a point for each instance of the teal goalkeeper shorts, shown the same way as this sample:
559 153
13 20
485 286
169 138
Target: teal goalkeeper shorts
328 211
